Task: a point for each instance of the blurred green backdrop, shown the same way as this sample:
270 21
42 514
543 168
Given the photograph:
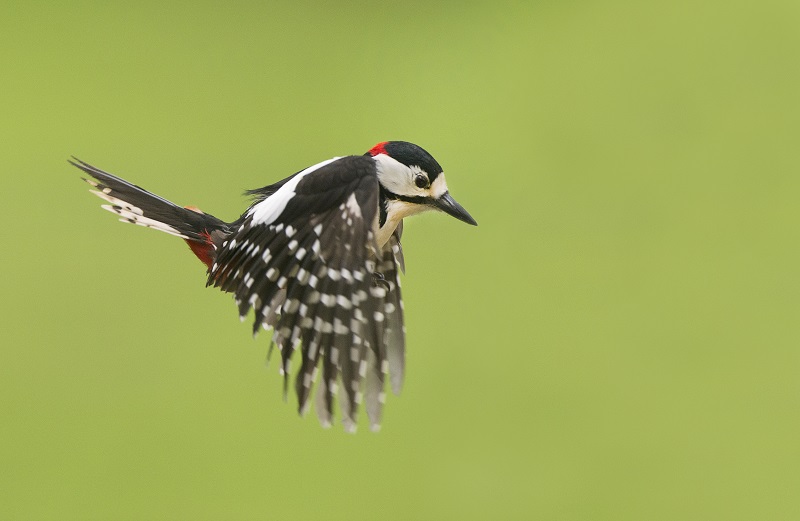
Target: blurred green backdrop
618 339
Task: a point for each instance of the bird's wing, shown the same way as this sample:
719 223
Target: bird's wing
390 266
304 259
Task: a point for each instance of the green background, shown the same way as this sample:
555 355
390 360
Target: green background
618 339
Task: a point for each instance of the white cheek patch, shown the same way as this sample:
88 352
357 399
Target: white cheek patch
393 175
399 179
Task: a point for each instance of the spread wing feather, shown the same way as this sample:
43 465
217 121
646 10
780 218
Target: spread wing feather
305 260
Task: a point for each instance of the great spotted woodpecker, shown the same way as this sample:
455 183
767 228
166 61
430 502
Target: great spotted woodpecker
316 256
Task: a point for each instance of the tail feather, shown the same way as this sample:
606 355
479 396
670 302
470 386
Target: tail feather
136 205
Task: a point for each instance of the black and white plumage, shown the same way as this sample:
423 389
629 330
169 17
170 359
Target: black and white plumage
317 258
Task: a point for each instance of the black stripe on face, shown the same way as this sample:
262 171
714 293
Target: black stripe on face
416 199
386 196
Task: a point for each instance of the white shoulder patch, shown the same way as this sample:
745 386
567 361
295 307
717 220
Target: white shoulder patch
268 210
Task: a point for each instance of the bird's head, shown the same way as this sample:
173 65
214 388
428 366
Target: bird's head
413 181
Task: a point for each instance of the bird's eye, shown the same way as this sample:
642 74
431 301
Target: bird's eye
421 181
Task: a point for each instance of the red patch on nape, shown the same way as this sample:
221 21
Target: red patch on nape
203 250
378 149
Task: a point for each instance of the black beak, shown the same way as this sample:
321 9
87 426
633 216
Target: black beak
448 205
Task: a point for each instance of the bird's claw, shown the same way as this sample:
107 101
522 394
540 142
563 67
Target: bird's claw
379 280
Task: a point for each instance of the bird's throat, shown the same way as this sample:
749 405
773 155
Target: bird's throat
395 211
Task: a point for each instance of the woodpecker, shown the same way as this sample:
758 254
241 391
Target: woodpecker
317 257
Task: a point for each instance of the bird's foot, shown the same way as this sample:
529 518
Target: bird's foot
379 280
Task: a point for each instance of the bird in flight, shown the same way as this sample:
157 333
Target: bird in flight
316 256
